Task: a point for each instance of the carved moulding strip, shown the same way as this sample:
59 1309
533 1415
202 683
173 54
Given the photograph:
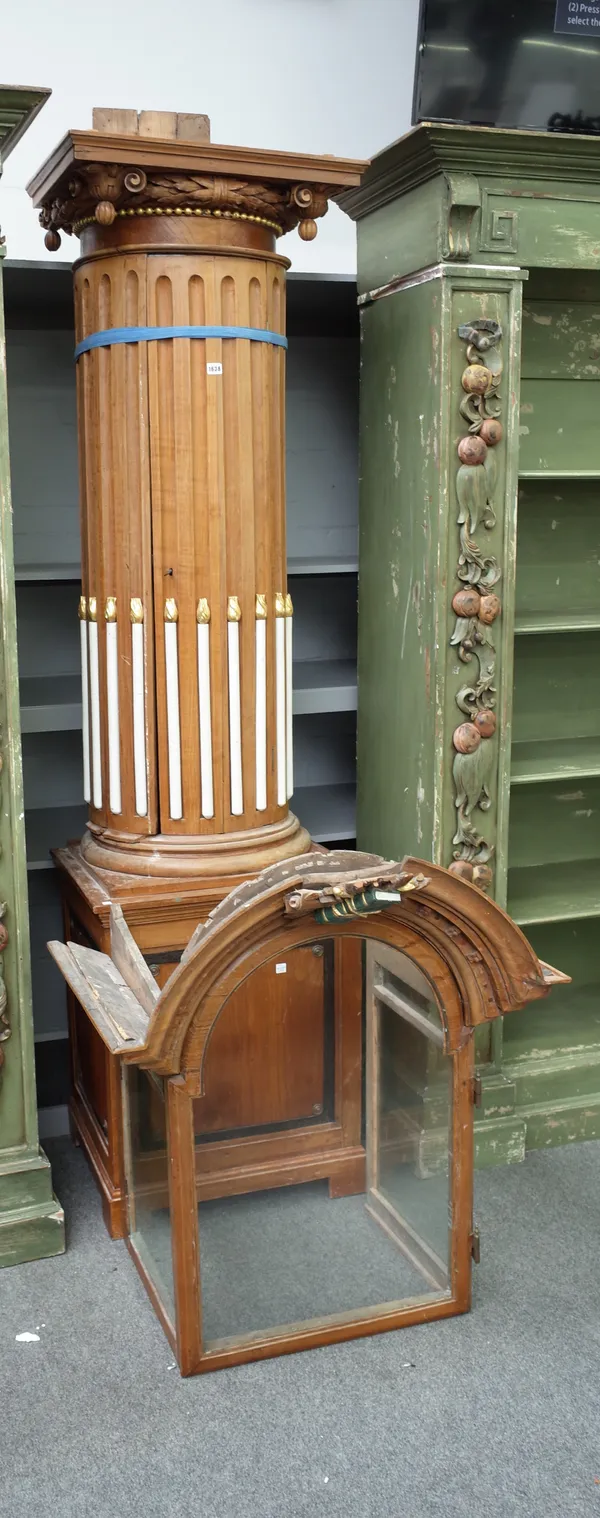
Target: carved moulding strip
475 603
499 231
100 192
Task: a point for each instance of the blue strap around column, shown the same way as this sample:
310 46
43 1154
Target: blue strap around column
154 334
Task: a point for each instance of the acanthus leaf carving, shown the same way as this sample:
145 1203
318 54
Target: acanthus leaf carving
137 191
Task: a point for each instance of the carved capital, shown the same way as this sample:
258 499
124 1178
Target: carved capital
100 192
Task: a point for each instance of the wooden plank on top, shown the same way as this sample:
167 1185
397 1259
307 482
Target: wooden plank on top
110 987
109 1021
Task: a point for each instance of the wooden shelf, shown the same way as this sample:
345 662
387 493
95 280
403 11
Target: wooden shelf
554 892
50 828
542 622
53 703
559 474
329 565
50 704
560 759
575 1007
328 811
324 685
49 572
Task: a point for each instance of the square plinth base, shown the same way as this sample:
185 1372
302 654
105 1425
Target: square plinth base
32 1222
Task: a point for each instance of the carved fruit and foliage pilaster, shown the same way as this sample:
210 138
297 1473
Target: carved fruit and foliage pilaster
100 192
475 603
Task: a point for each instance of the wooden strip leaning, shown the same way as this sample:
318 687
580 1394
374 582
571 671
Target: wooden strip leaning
130 961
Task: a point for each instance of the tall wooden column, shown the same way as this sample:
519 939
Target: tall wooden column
31 1220
186 619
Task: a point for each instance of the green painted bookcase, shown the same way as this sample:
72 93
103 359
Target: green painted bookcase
31 1220
479 567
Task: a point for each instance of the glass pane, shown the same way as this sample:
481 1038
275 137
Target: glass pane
148 1180
412 1137
413 989
301 1240
293 1254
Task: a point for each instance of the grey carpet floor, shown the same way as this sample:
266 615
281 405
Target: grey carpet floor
494 1414
285 1256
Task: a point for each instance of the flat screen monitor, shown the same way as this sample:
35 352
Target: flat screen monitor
510 63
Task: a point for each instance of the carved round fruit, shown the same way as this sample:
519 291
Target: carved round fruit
471 449
466 738
466 603
482 876
105 213
307 229
52 241
477 380
485 722
489 608
462 868
492 432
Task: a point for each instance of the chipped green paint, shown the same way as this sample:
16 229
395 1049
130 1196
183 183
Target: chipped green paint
501 198
455 225
410 428
499 1141
31 1220
571 1121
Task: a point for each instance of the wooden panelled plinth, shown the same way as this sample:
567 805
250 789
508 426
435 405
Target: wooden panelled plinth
299 1110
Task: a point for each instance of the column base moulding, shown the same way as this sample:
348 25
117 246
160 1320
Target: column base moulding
228 855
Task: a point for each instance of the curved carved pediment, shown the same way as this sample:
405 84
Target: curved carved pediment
477 961
447 925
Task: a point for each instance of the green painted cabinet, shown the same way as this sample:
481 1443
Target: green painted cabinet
479 578
31 1220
